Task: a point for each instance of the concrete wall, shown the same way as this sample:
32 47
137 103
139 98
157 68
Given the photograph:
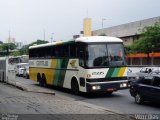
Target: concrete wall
128 32
129 29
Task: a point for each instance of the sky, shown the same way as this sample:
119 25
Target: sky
29 20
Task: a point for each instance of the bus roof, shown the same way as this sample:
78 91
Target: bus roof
98 39
90 39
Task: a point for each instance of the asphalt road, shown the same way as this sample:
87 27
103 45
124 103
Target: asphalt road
119 102
122 102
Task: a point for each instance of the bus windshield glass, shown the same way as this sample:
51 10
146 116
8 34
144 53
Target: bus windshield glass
105 55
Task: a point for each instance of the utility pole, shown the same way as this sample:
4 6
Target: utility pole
52 37
44 34
103 19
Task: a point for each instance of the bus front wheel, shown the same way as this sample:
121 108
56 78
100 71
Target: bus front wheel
75 87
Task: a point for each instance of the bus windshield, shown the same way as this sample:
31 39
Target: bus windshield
105 55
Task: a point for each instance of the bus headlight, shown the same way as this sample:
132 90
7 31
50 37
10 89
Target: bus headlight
96 87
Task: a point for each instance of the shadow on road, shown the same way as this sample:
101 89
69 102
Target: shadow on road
151 104
81 94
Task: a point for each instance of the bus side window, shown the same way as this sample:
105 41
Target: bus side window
48 52
72 50
81 55
65 51
52 52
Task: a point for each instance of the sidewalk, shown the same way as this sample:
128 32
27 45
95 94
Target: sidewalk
70 109
29 85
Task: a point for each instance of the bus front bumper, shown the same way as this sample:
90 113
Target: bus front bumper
106 86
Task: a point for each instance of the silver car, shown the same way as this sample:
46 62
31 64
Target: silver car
143 72
19 68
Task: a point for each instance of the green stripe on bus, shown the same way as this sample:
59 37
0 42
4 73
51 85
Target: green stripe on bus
64 64
57 72
115 73
110 72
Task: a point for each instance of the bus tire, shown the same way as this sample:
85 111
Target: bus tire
43 80
75 86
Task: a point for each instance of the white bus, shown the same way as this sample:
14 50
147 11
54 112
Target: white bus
86 64
7 66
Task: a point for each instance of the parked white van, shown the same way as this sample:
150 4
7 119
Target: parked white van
19 68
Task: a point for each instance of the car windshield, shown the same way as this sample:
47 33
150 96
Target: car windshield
104 55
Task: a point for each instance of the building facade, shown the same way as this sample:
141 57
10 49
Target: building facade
19 45
127 32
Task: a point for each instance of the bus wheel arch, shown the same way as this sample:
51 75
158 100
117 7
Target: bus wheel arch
74 86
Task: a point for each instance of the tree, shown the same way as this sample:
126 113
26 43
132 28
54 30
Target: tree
15 53
102 34
24 50
1 42
1 48
10 46
5 48
38 42
149 40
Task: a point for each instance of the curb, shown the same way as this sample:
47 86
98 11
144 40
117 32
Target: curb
23 88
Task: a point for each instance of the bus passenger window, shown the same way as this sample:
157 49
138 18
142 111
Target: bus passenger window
81 55
72 51
81 58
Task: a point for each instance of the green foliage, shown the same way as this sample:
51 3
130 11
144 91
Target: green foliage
6 48
1 42
38 42
24 49
10 46
128 50
15 53
149 40
1 48
103 34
